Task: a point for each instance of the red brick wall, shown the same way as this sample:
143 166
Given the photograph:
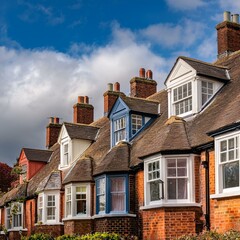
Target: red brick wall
122 225
142 88
80 227
15 235
83 113
110 98
29 216
132 202
228 37
52 132
197 169
53 230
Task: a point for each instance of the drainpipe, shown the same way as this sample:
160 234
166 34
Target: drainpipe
207 214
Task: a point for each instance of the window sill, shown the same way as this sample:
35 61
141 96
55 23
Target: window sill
225 195
170 205
77 218
114 215
46 223
17 229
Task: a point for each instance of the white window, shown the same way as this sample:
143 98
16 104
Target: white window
65 154
101 201
136 123
227 160
14 216
182 98
169 180
51 208
48 207
77 200
207 91
119 129
68 201
117 194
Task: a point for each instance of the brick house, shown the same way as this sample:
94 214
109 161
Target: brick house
157 165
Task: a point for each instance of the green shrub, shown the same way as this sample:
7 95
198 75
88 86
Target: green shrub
68 237
38 236
101 236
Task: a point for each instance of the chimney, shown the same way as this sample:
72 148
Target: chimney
52 131
143 86
110 97
228 34
83 112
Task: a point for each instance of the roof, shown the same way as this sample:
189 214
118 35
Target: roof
37 154
51 182
141 105
81 131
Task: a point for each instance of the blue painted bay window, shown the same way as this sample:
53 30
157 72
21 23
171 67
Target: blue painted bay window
112 194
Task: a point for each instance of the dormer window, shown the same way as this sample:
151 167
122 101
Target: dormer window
183 98
136 123
65 154
120 129
207 91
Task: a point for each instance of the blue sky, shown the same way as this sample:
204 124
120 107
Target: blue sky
52 51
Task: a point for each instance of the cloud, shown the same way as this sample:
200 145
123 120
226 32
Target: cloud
185 4
38 84
171 35
229 5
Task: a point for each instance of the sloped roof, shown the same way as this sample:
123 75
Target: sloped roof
116 160
81 171
37 154
51 182
141 105
81 131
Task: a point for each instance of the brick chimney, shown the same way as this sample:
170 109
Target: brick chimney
228 34
110 96
52 131
143 86
83 112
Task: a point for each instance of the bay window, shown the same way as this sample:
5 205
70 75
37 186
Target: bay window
77 200
112 194
51 208
227 160
168 180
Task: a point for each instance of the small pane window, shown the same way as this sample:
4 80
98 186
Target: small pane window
40 208
120 129
51 207
101 185
68 201
136 123
207 91
81 200
65 155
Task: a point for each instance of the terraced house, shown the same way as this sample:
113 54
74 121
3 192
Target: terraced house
157 165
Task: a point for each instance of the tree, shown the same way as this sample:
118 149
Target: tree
6 177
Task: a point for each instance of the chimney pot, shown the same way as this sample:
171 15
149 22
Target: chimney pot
227 16
142 73
56 120
149 74
51 120
235 18
86 99
80 99
117 87
110 86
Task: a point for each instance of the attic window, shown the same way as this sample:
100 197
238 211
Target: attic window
120 129
182 98
65 154
207 91
136 123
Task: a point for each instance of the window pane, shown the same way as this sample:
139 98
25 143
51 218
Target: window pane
171 162
81 207
171 172
182 188
154 191
223 146
223 157
102 203
181 172
231 175
117 194
171 185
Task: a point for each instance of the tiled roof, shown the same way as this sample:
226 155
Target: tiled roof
141 105
51 182
37 154
81 131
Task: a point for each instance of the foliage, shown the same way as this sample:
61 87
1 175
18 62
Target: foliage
6 177
213 235
38 236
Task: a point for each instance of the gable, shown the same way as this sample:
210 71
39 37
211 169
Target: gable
119 108
180 72
63 134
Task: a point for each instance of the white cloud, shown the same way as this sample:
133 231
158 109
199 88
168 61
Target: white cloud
38 84
229 5
170 35
185 4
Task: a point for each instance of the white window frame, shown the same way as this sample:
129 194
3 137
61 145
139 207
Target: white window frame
136 123
220 191
44 195
178 100
208 92
73 201
163 177
10 217
120 129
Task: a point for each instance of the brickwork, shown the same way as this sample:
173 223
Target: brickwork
110 98
30 209
228 37
197 161
122 225
15 235
80 227
142 88
53 230
83 113
52 132
131 194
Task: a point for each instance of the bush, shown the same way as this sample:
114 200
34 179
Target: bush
213 235
38 236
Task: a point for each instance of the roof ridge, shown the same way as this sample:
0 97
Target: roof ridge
142 99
